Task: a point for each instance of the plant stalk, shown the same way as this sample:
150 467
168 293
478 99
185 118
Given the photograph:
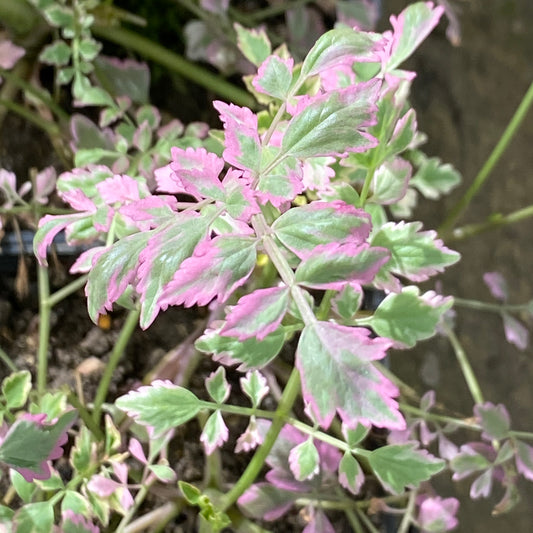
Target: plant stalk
44 328
490 163
466 368
292 389
117 353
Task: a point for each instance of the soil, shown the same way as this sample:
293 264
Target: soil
464 97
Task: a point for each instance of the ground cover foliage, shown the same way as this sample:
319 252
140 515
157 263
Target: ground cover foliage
281 222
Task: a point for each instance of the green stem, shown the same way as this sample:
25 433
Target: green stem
117 353
466 368
7 361
51 128
522 434
161 515
86 417
463 423
43 96
367 183
486 169
175 63
493 222
366 521
487 306
292 389
408 516
67 290
275 10
44 329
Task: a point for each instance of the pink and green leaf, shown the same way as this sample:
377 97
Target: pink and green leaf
332 266
198 172
335 363
243 147
302 229
249 354
337 47
416 255
215 433
351 475
239 198
494 419
304 461
113 270
411 27
257 314
165 250
215 270
274 77
161 406
390 181
515 332
253 43
282 183
333 123
217 385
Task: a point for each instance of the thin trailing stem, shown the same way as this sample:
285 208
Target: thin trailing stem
67 290
275 10
7 361
466 368
489 306
493 222
490 163
292 389
408 516
51 128
118 351
161 515
44 329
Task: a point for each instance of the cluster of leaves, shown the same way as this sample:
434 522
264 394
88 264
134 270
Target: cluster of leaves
305 186
281 222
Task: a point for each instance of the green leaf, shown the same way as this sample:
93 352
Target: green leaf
329 125
217 385
75 502
6 515
89 48
355 436
347 302
163 473
58 53
407 317
351 475
59 16
254 44
250 353
400 465
416 255
16 388
84 156
190 492
494 419
112 437
214 433
254 385
335 45
53 404
433 179
304 460
24 489
35 518
53 484
160 405
93 96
